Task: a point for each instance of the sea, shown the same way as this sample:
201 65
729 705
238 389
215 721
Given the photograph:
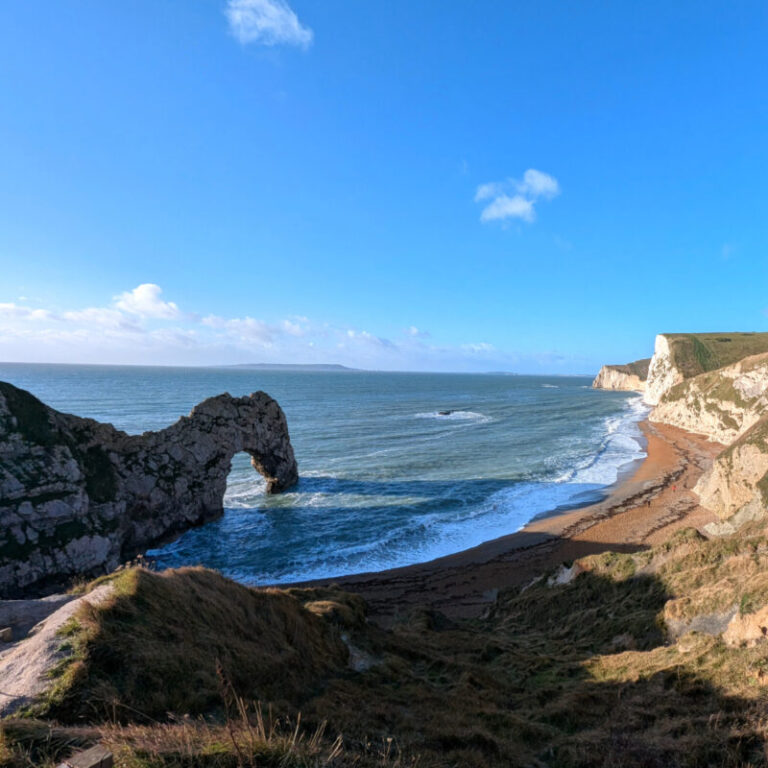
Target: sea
387 480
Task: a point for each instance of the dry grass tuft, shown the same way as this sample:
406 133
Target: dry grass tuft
156 645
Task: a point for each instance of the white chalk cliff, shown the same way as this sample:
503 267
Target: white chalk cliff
663 374
630 377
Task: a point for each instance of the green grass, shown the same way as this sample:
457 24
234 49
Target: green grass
638 368
695 353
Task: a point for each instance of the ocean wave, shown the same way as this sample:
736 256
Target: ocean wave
455 416
620 445
550 386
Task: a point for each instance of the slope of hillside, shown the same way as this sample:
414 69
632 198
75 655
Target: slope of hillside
649 659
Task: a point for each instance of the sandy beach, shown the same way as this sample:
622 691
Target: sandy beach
641 510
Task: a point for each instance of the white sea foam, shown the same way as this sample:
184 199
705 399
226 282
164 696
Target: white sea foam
455 416
620 445
550 386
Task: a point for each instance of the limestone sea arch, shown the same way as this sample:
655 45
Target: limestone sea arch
78 497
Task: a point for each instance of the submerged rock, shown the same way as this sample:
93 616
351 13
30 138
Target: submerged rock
77 497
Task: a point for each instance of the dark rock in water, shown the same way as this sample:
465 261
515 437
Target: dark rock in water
444 413
78 497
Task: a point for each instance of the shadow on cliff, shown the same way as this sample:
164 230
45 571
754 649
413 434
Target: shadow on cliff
577 674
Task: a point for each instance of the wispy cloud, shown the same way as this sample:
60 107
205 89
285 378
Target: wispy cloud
370 338
479 348
244 329
516 198
11 310
141 326
266 22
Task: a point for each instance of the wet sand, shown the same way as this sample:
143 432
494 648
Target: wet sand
641 510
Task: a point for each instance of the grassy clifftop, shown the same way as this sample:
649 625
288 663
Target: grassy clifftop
695 353
646 659
637 368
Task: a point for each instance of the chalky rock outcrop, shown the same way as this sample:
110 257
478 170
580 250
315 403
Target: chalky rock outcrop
681 356
630 377
721 404
729 405
78 497
735 487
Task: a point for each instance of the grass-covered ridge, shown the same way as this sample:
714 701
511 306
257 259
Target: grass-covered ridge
695 353
165 641
623 666
637 368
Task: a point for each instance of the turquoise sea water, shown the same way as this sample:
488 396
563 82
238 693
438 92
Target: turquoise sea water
385 480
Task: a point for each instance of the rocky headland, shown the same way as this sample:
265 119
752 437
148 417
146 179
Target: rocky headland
630 377
78 497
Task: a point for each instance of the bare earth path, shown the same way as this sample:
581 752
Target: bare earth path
642 511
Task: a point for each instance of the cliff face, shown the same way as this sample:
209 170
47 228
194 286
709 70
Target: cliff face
721 404
735 487
629 377
77 497
680 356
663 373
728 405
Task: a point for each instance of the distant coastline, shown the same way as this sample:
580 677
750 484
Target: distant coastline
294 367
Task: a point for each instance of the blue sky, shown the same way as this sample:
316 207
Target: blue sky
400 185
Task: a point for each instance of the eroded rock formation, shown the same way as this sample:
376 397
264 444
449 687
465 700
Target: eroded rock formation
630 377
77 497
721 404
728 405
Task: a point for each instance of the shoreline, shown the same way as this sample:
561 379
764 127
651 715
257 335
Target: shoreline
641 509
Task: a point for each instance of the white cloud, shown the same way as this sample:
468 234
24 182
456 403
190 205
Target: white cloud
11 310
486 191
370 339
538 184
296 326
243 329
268 22
138 327
515 199
145 301
102 317
506 207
